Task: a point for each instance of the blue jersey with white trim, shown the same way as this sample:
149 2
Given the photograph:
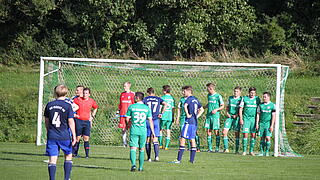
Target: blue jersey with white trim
58 112
154 103
193 105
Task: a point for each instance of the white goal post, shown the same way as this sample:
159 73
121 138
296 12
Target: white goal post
75 71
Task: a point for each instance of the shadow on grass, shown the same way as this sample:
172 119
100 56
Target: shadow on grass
22 153
61 164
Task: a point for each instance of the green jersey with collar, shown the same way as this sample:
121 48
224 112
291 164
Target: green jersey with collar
234 104
266 110
250 106
214 102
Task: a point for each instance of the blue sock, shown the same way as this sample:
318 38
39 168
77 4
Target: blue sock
180 152
193 154
156 149
148 149
67 169
52 171
86 148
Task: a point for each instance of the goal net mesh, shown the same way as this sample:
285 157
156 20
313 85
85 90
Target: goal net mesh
105 79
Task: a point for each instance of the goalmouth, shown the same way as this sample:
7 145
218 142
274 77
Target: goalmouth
105 78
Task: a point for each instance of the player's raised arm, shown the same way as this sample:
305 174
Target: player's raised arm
200 112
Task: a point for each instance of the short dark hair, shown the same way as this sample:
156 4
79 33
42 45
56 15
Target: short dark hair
150 90
139 95
268 93
211 85
166 88
87 89
252 89
80 86
238 87
187 88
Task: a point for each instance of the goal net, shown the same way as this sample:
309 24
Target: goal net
105 78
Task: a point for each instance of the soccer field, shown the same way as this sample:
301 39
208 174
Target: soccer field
25 161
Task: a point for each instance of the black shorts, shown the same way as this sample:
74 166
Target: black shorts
82 127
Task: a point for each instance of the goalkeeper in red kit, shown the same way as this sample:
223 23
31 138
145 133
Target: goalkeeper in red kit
126 99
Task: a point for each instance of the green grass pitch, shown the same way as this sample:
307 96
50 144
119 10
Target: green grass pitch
25 161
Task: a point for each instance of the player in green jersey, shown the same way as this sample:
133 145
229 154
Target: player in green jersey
167 116
215 105
233 119
138 113
247 113
266 115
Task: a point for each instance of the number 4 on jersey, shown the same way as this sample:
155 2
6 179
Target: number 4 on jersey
56 119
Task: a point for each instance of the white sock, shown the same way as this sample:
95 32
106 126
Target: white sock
124 138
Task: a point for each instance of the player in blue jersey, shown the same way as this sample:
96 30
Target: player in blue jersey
193 110
58 119
154 103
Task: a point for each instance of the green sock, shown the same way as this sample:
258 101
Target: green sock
167 142
268 144
160 140
141 159
252 142
225 142
244 143
133 156
262 145
217 142
198 142
209 140
237 144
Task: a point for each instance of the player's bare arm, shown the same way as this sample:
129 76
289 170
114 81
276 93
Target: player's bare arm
73 130
151 126
200 112
186 110
75 107
47 123
218 109
257 121
241 115
164 107
272 121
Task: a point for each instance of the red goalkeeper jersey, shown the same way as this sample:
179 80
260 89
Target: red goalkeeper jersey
85 107
126 99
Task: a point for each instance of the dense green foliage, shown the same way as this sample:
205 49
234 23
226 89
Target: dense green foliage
163 29
113 163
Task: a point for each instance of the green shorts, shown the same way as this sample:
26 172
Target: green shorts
165 124
138 141
212 122
232 124
249 125
264 130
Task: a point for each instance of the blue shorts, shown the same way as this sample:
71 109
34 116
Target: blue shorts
189 131
53 147
156 124
82 127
